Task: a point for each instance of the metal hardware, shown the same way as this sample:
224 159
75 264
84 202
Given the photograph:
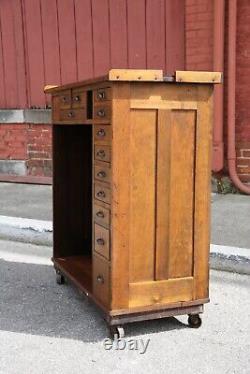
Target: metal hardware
101 194
101 174
76 98
101 133
101 113
64 99
101 153
71 114
101 95
100 279
100 241
100 214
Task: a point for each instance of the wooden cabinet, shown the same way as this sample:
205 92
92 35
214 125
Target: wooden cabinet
131 161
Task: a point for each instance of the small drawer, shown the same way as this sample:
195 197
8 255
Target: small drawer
102 134
102 172
101 238
103 153
101 280
102 193
101 215
102 112
65 99
102 94
72 115
78 98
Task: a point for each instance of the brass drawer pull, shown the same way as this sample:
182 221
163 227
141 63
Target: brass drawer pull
101 133
71 114
101 153
100 241
100 214
101 95
101 174
76 98
101 113
100 279
101 194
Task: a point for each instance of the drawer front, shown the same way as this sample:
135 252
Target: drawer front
101 280
78 99
101 215
103 153
102 193
101 244
102 134
102 112
72 115
102 172
65 99
102 94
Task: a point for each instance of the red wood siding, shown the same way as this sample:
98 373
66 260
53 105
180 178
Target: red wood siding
59 41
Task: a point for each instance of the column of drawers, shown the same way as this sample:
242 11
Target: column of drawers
102 136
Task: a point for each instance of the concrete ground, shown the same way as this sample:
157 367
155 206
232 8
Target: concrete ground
46 328
229 222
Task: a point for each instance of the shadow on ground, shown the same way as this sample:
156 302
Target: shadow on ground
32 303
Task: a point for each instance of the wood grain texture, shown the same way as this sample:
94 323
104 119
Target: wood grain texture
142 195
198 76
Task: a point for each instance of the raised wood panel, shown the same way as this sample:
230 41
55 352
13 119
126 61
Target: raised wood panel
142 194
161 292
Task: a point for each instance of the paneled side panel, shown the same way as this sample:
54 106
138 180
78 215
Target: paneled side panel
142 194
175 193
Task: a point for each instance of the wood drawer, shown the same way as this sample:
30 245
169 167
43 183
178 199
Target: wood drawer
72 115
102 94
65 99
102 112
102 171
78 98
101 241
101 280
102 134
102 193
101 215
103 153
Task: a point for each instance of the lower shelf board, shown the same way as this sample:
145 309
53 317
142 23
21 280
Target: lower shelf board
78 269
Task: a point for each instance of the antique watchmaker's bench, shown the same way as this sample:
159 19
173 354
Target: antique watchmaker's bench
131 159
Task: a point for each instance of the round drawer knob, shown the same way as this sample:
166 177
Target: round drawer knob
101 133
101 194
100 279
100 241
101 113
76 98
101 153
100 214
71 114
101 174
101 95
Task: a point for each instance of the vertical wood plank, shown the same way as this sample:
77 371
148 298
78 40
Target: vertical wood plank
35 60
2 83
163 192
84 39
67 40
101 37
142 195
175 35
181 180
136 34
202 191
155 24
120 211
51 42
9 54
20 53
118 34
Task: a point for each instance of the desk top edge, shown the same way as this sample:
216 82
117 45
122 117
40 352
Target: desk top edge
146 75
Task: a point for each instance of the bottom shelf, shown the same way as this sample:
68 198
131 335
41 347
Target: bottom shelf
78 269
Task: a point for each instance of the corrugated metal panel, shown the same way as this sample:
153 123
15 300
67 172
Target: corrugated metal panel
52 42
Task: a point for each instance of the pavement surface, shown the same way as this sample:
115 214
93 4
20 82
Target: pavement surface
47 328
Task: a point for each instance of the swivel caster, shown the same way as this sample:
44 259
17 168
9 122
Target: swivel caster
117 332
59 278
194 321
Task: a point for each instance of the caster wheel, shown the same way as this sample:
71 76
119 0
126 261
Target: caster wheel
117 332
59 278
194 321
